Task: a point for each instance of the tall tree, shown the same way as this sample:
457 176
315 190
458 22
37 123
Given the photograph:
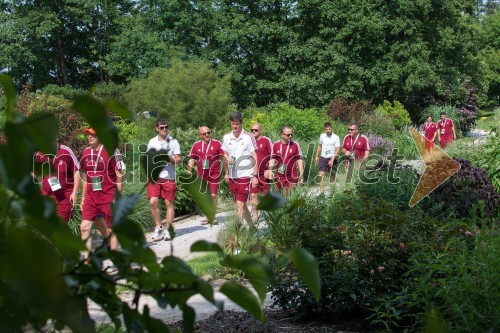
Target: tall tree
57 41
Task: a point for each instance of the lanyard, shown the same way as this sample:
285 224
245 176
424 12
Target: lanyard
426 126
208 147
444 122
354 145
92 157
286 153
164 142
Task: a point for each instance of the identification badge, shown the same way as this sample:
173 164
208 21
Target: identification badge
442 131
353 154
281 169
205 164
234 169
96 184
423 133
54 184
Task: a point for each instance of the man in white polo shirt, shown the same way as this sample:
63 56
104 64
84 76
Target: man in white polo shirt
240 165
164 187
329 146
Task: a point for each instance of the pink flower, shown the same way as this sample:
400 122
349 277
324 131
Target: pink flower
441 247
346 253
403 246
469 234
340 228
372 271
381 269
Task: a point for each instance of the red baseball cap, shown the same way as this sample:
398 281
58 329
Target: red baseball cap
89 131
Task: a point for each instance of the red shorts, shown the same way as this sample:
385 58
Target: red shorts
64 206
285 182
429 144
163 188
212 186
262 187
93 210
445 140
240 188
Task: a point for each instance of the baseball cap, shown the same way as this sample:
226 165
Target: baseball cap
89 131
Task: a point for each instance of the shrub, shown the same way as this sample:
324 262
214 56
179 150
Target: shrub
340 109
377 123
187 94
362 252
466 194
405 145
488 157
396 111
460 277
307 124
379 145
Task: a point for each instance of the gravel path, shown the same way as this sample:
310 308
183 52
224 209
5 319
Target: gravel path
188 231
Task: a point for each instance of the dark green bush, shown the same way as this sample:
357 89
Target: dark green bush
466 194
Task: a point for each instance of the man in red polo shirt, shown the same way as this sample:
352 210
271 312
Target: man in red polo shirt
206 153
429 132
286 158
264 146
102 176
446 130
355 146
63 181
165 186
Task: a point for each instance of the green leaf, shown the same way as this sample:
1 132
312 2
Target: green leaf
10 93
205 246
204 200
42 129
271 201
95 114
244 298
153 162
133 320
257 271
119 109
188 316
153 324
307 265
122 208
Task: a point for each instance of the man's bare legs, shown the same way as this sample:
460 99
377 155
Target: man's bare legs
242 212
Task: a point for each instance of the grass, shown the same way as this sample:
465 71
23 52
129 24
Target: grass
205 264
488 118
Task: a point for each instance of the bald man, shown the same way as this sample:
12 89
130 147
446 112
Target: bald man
206 154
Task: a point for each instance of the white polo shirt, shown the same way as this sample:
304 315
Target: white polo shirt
240 149
328 144
172 147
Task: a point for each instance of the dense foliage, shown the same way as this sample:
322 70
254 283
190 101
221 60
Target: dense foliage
304 52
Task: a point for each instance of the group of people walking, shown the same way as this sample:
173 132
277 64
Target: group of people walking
250 162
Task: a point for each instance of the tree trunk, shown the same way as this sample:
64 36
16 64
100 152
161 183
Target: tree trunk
62 74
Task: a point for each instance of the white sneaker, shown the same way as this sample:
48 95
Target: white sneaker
158 234
109 267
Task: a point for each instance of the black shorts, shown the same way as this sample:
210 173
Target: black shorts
323 164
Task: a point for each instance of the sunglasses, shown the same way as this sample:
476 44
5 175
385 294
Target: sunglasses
351 129
162 128
206 133
254 130
288 135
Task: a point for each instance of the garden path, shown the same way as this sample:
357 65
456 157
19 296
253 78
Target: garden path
188 231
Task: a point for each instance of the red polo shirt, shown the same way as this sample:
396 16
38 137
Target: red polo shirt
104 169
287 154
211 151
360 145
63 165
264 148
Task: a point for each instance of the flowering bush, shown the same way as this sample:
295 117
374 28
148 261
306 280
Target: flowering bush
379 145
